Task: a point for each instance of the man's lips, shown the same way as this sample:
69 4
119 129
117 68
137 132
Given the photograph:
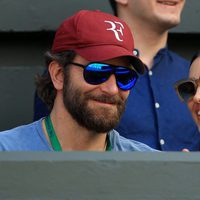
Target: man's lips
105 103
107 100
168 3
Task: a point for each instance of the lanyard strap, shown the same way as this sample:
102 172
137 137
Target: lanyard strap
108 144
52 135
54 140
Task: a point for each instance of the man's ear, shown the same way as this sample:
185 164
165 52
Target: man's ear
123 2
56 73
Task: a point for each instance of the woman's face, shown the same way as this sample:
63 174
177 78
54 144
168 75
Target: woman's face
194 103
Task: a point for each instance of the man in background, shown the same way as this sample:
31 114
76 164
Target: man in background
154 114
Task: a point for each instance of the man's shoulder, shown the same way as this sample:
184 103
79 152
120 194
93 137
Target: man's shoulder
178 58
120 143
16 137
18 130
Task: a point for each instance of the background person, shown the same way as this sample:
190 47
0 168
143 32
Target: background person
154 114
91 69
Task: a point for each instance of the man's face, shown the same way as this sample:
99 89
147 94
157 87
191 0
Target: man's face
164 13
98 108
194 103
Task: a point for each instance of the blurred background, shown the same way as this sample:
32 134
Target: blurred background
26 31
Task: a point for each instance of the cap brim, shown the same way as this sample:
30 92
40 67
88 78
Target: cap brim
107 52
139 66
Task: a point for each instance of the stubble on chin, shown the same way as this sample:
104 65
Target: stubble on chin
88 114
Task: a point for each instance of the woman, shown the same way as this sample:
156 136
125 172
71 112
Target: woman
188 90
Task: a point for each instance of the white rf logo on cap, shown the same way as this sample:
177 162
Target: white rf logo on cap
117 29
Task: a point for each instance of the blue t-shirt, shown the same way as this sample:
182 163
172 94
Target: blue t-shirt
32 138
154 115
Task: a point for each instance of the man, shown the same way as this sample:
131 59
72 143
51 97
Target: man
154 114
91 69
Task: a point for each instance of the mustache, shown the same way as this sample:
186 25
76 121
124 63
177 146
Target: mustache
106 99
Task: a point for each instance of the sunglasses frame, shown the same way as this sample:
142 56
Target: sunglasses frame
112 66
182 81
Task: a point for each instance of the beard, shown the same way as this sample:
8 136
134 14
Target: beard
98 119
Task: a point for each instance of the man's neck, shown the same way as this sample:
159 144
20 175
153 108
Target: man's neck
149 43
72 136
148 39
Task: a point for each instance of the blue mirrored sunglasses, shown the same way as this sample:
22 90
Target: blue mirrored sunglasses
96 73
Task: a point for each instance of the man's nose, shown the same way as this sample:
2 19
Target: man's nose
110 86
197 95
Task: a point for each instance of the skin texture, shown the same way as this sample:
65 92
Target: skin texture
100 105
158 12
194 103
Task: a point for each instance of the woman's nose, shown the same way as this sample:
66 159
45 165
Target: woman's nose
196 97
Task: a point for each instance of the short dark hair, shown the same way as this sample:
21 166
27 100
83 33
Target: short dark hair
114 6
196 55
44 85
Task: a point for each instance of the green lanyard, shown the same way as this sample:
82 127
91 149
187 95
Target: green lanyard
54 140
52 135
108 144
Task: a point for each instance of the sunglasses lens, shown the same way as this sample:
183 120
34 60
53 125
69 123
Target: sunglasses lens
186 90
97 73
126 78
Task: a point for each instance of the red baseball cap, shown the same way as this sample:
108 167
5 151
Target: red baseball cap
96 36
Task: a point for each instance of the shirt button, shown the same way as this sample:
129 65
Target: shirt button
157 105
162 142
150 73
136 52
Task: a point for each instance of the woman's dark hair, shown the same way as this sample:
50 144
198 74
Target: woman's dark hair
114 6
196 55
44 85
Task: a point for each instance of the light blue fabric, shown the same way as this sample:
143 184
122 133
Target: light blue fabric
31 138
